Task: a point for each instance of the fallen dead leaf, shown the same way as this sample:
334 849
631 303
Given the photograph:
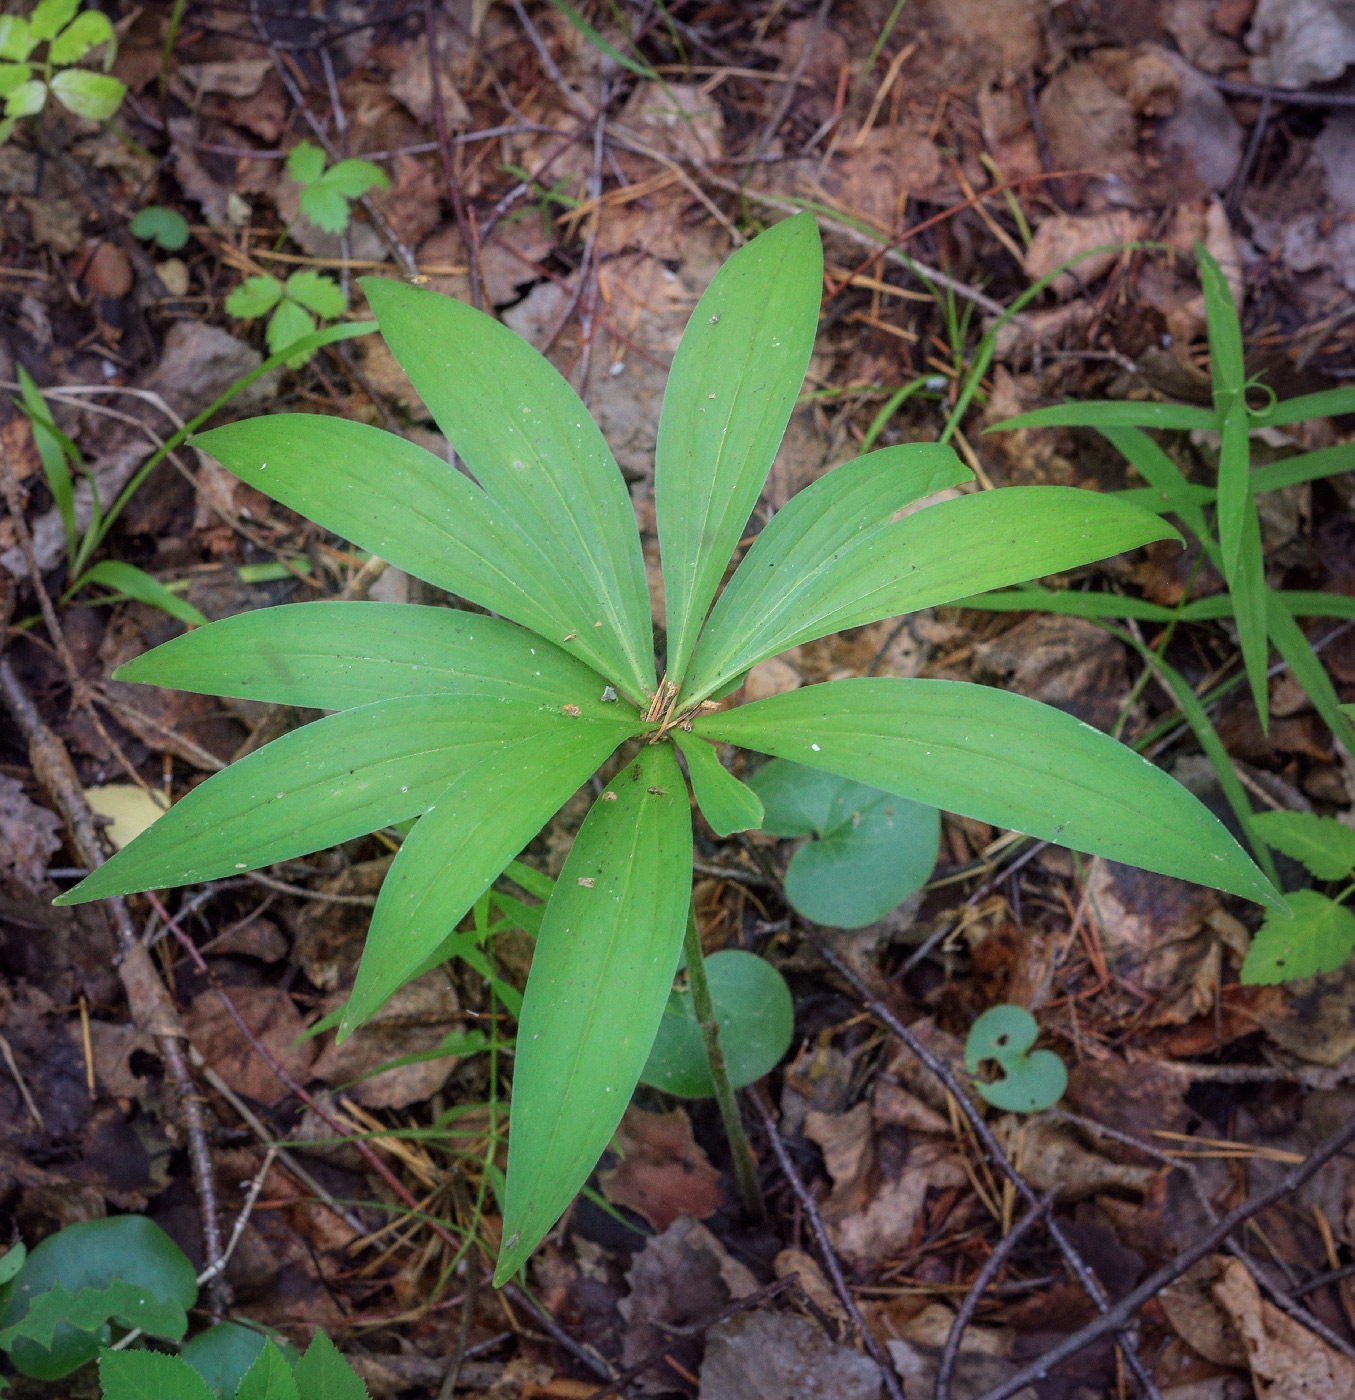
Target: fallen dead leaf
254 938
1300 42
1051 1156
677 119
768 678
1287 1361
764 1355
106 271
1198 1317
130 810
1203 127
413 85
810 1277
892 1104
1064 236
663 1173
29 836
275 1023
876 177
236 77
1088 124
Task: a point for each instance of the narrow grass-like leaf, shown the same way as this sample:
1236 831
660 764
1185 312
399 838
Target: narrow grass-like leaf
1329 403
1315 935
1032 598
333 780
1161 473
1305 604
839 511
459 846
730 393
1249 594
1306 466
954 549
1308 670
726 803
138 584
393 498
334 656
1003 759
1225 331
1112 414
1235 499
526 438
1324 845
600 977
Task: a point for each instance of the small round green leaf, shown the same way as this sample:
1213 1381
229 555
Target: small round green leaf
223 1354
26 99
166 227
13 75
288 324
355 177
92 95
305 163
255 296
325 206
870 851
1032 1080
16 38
753 1007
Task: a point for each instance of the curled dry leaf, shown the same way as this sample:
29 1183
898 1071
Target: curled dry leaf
1051 1156
1064 236
275 1023
1198 1317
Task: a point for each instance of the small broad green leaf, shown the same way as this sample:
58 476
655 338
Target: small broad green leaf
138 584
17 39
400 502
526 438
330 781
151 1375
305 163
934 556
1032 1080
325 207
463 841
166 227
26 98
13 74
1003 759
323 1374
1316 935
334 656
870 849
11 1262
86 31
1324 845
50 17
269 1378
600 977
839 511
756 1017
255 296
730 393
93 95
726 803
58 1321
355 177
317 293
1112 414
222 1354
1305 665
288 324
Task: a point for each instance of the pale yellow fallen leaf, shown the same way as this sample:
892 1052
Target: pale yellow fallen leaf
130 809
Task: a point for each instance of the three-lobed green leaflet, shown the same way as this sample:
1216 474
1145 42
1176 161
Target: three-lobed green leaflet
482 726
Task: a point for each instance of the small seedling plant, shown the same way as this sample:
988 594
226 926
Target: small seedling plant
291 307
1030 1080
328 191
38 57
480 727
166 228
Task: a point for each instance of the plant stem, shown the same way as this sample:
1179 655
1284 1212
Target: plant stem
745 1165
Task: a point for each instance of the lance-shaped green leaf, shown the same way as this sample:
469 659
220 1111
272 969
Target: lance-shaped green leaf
331 781
393 498
1326 404
1234 500
460 845
726 803
601 972
1304 663
1111 413
334 656
1033 598
527 439
730 393
839 511
1162 474
948 551
1250 596
1003 759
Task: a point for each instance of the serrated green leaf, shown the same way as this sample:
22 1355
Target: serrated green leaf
756 1017
838 512
269 1378
951 550
1307 669
49 17
86 31
138 584
317 293
1112 414
167 227
334 656
355 177
1324 845
328 782
871 849
730 393
1315 935
325 207
530 443
398 501
460 845
600 976
96 96
287 324
222 1354
305 162
149 1375
88 1310
26 99
255 296
323 1374
1003 759
726 803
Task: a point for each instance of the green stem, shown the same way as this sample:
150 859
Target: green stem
745 1165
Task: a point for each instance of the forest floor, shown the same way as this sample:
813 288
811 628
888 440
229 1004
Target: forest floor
955 151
